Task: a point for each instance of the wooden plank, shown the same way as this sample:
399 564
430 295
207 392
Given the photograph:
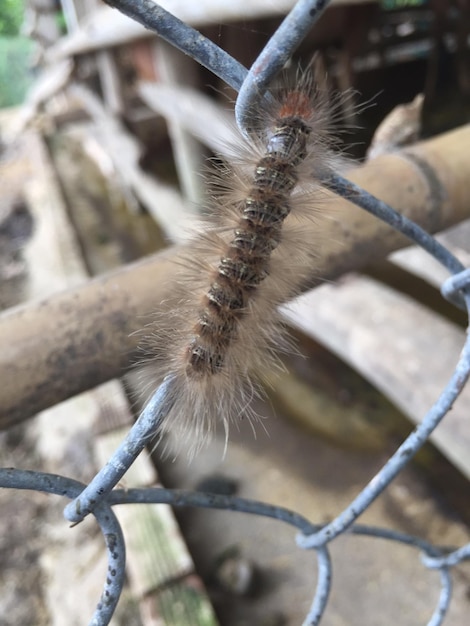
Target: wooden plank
175 68
110 82
163 202
210 122
406 350
106 27
182 604
53 254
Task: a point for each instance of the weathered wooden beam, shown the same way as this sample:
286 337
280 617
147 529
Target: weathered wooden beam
106 27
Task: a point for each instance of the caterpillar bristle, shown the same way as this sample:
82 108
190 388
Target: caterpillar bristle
252 253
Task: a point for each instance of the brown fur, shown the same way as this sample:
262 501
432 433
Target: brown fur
253 253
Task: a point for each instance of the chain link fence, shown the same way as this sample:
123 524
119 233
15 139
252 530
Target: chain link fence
100 495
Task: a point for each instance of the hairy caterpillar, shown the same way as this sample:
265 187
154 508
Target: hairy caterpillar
252 254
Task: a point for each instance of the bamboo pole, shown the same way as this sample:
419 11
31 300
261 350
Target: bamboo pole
71 342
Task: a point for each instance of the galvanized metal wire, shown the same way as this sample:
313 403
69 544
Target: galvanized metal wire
114 540
273 58
100 495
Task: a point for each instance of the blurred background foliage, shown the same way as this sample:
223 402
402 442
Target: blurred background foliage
11 17
15 54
